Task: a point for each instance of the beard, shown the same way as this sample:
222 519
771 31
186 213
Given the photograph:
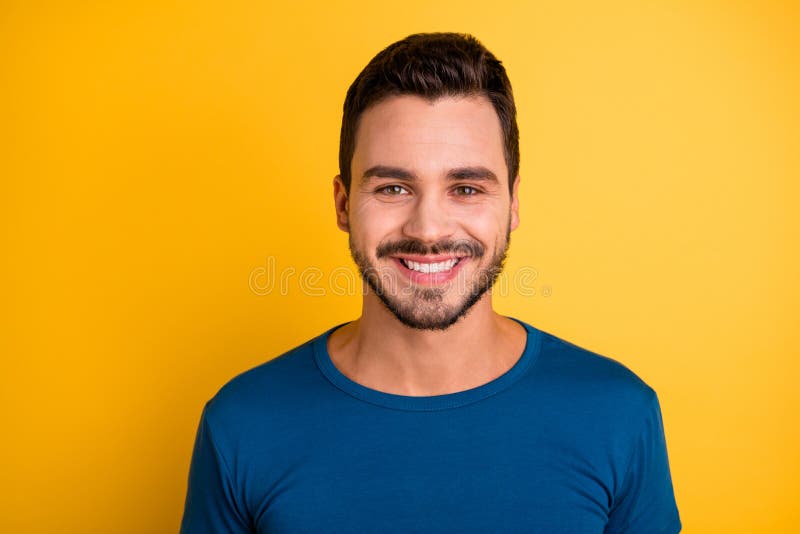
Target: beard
424 307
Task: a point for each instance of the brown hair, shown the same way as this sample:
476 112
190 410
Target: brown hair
431 65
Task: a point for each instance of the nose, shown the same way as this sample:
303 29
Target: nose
429 220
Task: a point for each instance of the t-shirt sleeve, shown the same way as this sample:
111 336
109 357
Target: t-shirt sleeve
211 505
645 503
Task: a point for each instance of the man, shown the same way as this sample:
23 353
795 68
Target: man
431 412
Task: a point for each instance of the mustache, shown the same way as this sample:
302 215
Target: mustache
460 248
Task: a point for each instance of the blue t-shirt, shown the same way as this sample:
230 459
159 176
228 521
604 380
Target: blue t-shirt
566 441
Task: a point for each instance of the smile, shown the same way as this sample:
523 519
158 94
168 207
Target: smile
430 267
434 270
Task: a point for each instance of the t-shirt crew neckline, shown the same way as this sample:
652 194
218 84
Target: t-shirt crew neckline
426 403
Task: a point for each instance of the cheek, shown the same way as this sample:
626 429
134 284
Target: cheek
486 226
371 223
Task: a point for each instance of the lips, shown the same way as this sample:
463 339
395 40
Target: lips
429 259
430 270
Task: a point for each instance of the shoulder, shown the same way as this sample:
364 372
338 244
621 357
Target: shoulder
587 379
268 390
583 363
589 400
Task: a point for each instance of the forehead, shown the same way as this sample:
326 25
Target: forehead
430 136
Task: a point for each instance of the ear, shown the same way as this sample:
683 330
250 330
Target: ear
515 204
341 203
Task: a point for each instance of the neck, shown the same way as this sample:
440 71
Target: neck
380 352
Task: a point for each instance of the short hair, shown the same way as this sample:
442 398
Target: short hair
431 65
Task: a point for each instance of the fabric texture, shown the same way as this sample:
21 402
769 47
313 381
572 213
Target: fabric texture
566 441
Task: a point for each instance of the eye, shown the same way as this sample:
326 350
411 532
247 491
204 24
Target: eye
391 190
468 190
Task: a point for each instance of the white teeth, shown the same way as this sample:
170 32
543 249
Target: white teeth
430 267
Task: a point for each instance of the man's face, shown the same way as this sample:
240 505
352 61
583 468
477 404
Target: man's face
429 212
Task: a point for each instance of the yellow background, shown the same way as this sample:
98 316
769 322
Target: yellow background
155 155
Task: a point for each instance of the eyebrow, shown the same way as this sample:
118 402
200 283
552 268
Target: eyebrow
461 173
